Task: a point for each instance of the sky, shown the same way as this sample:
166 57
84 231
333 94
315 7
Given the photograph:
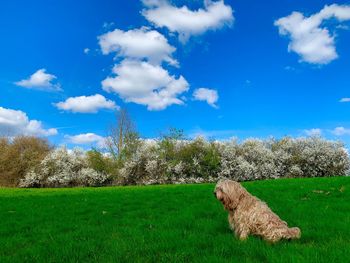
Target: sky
218 69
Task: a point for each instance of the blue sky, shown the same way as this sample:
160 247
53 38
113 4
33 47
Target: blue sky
214 68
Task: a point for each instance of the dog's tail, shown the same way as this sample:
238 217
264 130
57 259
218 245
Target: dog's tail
293 233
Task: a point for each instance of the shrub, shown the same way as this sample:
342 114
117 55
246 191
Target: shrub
307 157
18 156
314 157
196 158
146 164
101 162
61 168
251 160
171 160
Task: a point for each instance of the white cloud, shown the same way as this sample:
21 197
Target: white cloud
309 38
313 132
16 122
86 104
339 131
145 84
87 138
289 68
86 50
209 95
187 22
209 134
108 25
138 43
40 80
344 27
344 100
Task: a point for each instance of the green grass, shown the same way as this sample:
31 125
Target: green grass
182 223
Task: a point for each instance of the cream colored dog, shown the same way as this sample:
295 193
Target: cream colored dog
249 215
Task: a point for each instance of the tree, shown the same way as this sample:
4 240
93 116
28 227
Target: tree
18 155
122 136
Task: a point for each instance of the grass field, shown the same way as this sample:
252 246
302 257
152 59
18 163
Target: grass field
176 223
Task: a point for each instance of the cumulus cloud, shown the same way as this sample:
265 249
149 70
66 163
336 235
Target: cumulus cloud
309 38
87 139
209 95
344 100
140 77
86 104
340 131
313 132
186 22
40 80
138 44
16 122
145 84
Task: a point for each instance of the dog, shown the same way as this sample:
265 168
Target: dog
249 215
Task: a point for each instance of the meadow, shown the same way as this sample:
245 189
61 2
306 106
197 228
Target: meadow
170 223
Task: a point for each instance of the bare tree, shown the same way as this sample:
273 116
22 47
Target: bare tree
121 134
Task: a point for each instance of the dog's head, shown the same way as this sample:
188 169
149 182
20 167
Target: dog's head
229 193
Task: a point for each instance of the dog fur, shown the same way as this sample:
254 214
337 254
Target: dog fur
249 215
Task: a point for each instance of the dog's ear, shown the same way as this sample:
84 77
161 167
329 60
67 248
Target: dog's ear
219 193
241 192
235 193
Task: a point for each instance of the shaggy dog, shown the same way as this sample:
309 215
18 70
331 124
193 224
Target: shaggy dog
249 215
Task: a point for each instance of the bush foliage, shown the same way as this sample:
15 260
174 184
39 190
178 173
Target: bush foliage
61 168
18 156
170 159
176 161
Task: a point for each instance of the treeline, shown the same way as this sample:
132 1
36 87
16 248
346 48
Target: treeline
32 162
172 158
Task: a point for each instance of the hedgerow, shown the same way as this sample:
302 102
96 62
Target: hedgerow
177 160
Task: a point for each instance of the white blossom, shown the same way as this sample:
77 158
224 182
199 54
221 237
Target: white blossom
61 168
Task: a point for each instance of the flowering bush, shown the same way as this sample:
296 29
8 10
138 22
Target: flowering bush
145 165
288 157
61 168
171 161
174 160
180 161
